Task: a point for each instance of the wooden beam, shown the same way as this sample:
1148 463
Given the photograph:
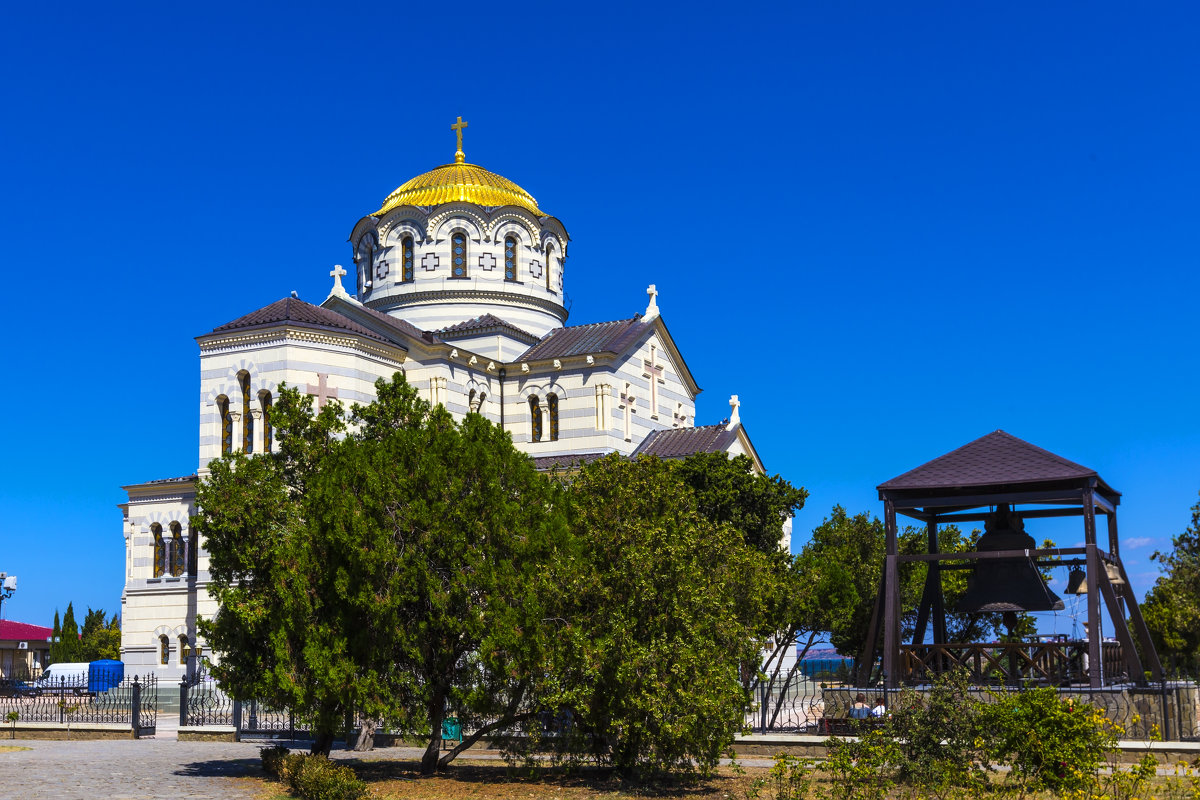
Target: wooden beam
1094 566
976 555
1061 496
938 609
1133 664
866 659
891 599
1028 514
1139 627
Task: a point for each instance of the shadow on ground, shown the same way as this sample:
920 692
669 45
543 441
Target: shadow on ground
222 768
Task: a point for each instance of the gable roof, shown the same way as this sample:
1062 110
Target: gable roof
393 329
567 461
488 323
597 337
295 311
683 442
12 631
997 459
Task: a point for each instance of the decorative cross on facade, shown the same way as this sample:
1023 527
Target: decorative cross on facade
487 262
458 129
322 392
429 261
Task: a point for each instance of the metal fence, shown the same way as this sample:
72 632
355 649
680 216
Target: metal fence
203 703
66 701
1168 709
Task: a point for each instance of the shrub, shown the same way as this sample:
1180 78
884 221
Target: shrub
1050 742
318 778
943 738
273 759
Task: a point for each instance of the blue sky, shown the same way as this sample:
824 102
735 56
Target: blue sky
889 228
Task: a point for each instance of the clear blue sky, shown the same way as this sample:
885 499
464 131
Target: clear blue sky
890 228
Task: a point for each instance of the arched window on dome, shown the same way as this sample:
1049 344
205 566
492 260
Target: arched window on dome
510 259
535 419
164 650
226 425
552 409
472 403
406 250
482 401
178 558
458 255
160 550
549 265
247 418
264 402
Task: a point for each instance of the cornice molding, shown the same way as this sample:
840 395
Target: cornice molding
285 334
436 296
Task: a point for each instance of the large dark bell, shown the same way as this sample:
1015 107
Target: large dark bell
1006 584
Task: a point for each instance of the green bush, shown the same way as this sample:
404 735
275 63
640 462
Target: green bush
318 778
942 736
273 759
1049 741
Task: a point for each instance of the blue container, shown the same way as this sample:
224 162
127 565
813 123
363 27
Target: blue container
104 675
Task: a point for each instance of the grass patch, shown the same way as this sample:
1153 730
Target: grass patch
11 748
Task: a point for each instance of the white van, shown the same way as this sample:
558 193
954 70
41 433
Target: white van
65 678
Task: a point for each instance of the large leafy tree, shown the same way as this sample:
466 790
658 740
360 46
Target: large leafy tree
101 636
1172 607
776 602
393 571
652 640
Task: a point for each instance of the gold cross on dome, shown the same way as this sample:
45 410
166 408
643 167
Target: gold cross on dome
458 129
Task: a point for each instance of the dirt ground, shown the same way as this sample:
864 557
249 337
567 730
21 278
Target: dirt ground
474 781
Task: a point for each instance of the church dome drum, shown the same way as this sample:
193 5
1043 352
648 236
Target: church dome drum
458 242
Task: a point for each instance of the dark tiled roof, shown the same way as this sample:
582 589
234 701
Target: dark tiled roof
11 631
182 479
395 325
297 312
545 463
598 337
996 459
488 322
683 442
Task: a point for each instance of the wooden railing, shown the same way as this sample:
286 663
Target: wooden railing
1050 663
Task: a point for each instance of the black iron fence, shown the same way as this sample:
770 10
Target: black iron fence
1169 710
203 703
71 700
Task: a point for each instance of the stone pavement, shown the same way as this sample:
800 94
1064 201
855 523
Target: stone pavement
146 769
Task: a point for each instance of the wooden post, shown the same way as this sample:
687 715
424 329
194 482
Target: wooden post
1095 659
891 598
1133 664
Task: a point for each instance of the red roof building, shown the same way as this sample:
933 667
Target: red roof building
24 649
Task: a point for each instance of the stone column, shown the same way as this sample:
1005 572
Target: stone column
260 439
236 444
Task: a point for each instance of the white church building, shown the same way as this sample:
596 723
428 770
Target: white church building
458 282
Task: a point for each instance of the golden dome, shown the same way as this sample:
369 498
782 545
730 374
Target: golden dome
460 182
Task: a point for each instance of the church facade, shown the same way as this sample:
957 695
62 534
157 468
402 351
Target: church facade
458 282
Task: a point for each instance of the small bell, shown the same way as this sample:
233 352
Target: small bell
1006 584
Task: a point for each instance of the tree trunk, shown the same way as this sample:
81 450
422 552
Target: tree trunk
365 740
433 750
322 743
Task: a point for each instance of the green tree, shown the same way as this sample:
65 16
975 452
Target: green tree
401 574
55 638
1172 607
652 641
67 648
100 639
776 602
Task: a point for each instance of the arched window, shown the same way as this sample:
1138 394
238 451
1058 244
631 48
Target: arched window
178 554
183 649
482 400
226 425
552 408
535 419
406 249
549 265
164 650
472 405
264 401
458 255
160 550
247 418
191 552
510 258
